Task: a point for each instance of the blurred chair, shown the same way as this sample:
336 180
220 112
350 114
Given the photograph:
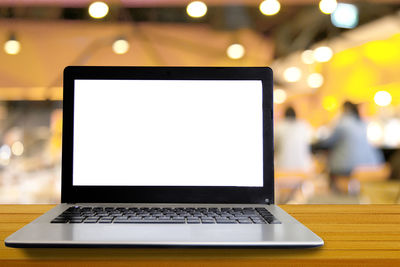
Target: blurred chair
371 181
371 173
288 183
362 174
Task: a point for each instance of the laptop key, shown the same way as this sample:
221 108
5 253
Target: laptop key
149 218
178 220
275 222
241 218
272 220
105 221
77 218
225 222
157 221
75 221
135 220
120 219
59 221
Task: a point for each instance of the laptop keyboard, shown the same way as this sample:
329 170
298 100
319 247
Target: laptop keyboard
78 214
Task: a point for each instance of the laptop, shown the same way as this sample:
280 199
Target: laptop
167 156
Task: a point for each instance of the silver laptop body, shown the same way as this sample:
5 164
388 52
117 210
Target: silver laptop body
166 156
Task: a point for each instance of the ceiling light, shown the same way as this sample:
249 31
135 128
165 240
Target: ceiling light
12 46
307 57
327 6
98 10
235 51
120 46
292 74
270 7
323 54
196 9
382 98
315 80
345 16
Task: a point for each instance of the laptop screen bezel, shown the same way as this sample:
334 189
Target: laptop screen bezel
166 194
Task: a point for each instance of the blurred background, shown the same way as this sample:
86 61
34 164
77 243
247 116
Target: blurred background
323 54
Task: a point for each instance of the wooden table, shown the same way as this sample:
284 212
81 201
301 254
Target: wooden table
357 235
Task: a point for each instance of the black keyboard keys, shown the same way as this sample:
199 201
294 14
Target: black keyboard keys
108 215
267 216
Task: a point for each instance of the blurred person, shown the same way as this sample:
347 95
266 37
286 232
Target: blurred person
292 143
348 145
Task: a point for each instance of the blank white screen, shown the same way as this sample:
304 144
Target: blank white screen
168 133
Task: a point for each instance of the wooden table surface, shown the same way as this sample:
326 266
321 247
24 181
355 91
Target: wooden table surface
356 235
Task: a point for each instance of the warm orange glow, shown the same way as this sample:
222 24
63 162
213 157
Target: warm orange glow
345 58
330 103
189 45
382 51
359 81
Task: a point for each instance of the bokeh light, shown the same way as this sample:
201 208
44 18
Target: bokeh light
12 47
270 7
323 54
391 133
120 46
345 16
374 132
5 154
307 57
384 52
315 80
235 51
382 98
98 10
327 6
196 9
279 96
292 74
17 148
